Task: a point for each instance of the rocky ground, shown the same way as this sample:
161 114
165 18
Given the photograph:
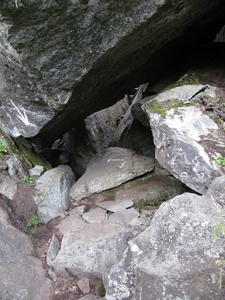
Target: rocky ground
20 210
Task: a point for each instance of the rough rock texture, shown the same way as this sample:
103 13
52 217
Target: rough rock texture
52 196
63 59
187 140
152 190
177 256
115 206
16 169
131 134
8 186
37 171
102 124
87 249
97 135
109 169
22 276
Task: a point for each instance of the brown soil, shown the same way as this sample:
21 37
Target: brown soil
20 210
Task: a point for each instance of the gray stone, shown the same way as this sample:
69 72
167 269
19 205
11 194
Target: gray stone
131 134
16 168
52 250
96 215
60 78
220 37
8 186
99 130
177 256
124 217
88 250
151 190
84 285
88 297
102 124
187 140
216 192
141 221
3 165
22 276
115 206
127 120
109 169
37 171
79 211
52 195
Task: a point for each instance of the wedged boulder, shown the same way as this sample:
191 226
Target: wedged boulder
22 276
89 249
151 190
109 169
58 57
187 139
131 133
99 130
52 195
179 255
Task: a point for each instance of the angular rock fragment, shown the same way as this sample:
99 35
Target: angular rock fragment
52 195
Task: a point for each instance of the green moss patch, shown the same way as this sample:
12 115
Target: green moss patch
188 79
162 108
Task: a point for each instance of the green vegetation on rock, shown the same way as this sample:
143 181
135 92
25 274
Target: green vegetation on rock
162 108
3 149
193 78
32 222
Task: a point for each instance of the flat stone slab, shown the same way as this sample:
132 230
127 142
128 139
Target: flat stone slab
87 249
115 206
109 169
124 217
96 215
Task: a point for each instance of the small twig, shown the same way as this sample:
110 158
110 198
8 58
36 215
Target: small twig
16 3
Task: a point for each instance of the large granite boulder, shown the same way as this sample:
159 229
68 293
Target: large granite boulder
88 249
22 276
65 59
179 256
109 169
52 192
187 139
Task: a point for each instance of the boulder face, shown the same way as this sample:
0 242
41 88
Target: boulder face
63 59
179 253
109 169
87 249
52 195
187 140
22 276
